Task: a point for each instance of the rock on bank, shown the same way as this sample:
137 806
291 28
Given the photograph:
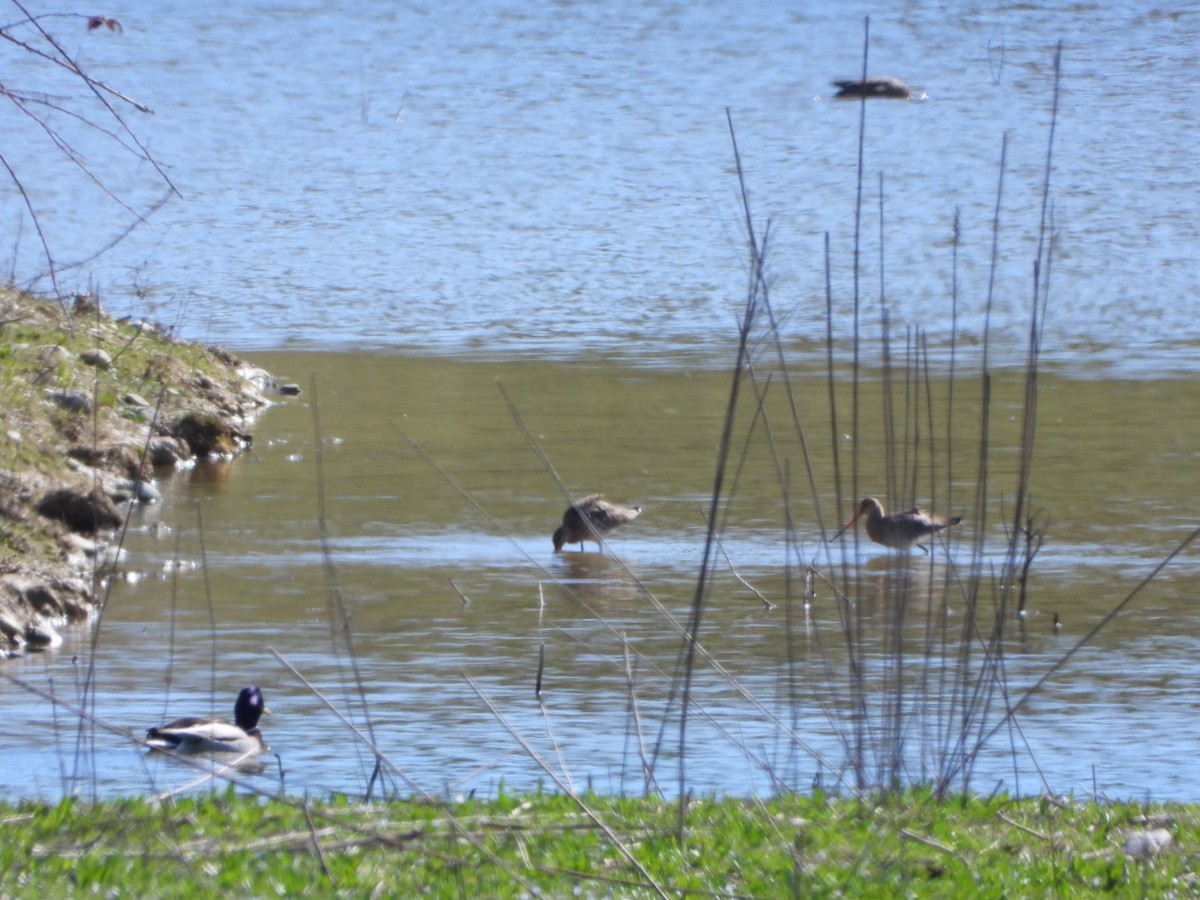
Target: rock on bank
91 408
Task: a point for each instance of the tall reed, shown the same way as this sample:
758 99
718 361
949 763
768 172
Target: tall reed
911 648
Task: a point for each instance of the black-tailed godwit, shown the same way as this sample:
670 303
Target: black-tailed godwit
899 530
590 518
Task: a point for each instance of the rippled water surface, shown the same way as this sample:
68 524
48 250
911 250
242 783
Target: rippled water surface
451 587
555 179
401 207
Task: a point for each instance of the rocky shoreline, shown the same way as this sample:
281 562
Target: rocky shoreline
92 410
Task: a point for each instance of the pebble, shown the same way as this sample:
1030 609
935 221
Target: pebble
11 629
168 451
98 358
72 401
80 511
259 378
144 490
1147 843
53 354
41 633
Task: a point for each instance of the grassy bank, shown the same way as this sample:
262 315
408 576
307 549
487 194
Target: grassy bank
907 845
91 409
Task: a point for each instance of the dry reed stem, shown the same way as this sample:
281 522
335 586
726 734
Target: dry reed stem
365 739
566 789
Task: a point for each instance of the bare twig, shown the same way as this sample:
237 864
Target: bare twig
466 601
566 789
736 574
354 729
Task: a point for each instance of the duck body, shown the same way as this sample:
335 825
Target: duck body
211 735
885 86
590 518
900 531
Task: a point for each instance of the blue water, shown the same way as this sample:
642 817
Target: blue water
556 179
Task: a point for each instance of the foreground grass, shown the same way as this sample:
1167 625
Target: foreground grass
790 846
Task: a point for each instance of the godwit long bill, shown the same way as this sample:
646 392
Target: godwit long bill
899 530
590 518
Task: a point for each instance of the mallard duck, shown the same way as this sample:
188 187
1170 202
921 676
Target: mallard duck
590 518
210 735
899 530
884 86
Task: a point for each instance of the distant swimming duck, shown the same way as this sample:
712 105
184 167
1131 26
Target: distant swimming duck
210 735
899 530
885 86
590 518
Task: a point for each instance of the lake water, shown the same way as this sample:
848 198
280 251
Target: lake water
555 179
401 206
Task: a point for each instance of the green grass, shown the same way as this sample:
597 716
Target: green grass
41 343
908 845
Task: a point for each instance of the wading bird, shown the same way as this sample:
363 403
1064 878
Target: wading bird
200 735
899 530
590 518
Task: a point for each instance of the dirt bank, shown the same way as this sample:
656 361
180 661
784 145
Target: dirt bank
90 409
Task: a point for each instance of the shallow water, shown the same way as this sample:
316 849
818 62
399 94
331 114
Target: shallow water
450 598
